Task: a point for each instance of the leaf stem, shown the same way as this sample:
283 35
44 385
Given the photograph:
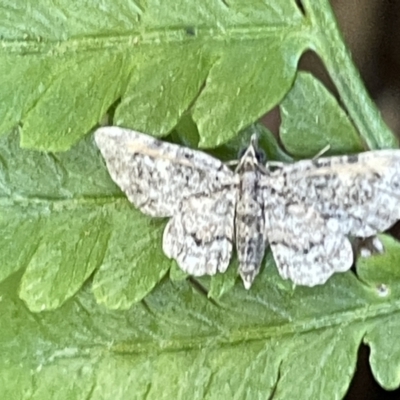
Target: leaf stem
329 44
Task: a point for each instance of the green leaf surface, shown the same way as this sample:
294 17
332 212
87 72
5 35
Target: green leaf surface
266 75
328 42
176 274
62 218
63 65
133 263
381 273
223 283
377 271
312 120
177 343
159 60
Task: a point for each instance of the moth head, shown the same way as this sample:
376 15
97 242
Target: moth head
252 156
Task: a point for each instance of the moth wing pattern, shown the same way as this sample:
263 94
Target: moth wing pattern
200 236
305 249
323 201
155 175
358 193
307 209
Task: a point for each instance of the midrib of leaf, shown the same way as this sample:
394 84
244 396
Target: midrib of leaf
155 38
232 337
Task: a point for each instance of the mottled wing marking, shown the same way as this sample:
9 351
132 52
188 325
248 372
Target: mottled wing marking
196 190
305 247
359 194
200 236
312 205
157 175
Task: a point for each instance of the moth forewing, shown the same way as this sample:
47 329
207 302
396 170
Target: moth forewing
155 175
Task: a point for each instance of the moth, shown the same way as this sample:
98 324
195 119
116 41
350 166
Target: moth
305 211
